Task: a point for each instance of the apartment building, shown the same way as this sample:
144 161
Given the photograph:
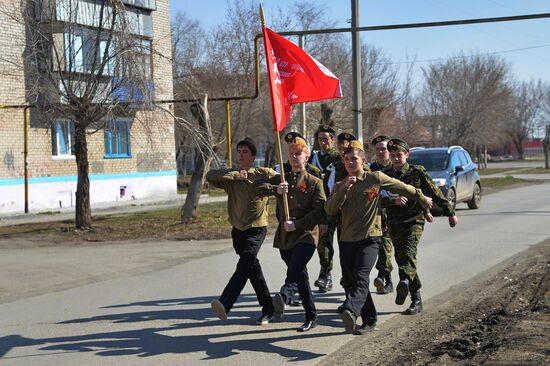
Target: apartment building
131 151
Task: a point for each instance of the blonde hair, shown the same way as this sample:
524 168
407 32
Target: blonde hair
298 146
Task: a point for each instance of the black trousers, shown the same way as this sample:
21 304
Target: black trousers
247 245
358 258
297 279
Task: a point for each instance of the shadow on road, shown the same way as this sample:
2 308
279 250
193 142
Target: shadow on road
195 319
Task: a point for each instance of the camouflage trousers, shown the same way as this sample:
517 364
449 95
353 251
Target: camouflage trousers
405 238
385 251
325 248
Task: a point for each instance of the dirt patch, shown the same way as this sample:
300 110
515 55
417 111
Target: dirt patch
502 318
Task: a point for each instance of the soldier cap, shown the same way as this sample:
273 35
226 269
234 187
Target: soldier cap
345 136
356 144
299 141
249 143
380 138
327 128
291 136
396 143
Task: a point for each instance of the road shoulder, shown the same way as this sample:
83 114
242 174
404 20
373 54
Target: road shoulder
500 317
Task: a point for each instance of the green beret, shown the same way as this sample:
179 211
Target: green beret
326 128
379 138
291 136
395 143
344 136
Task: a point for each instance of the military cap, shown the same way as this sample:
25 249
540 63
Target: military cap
356 144
380 138
345 136
326 128
249 143
395 143
291 136
300 141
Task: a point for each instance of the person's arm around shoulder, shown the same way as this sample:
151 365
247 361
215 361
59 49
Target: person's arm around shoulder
220 177
268 182
429 187
396 186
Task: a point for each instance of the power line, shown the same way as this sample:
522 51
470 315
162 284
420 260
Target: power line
468 56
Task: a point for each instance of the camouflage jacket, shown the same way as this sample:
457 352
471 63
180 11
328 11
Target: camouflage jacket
412 211
376 166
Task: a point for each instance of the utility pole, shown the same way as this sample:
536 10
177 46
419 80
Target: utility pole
356 73
303 105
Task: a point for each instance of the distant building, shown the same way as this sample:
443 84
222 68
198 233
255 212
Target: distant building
128 159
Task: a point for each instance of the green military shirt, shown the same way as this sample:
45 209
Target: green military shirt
360 205
246 206
416 176
306 198
376 166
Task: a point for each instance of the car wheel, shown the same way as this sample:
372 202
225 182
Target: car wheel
476 198
451 197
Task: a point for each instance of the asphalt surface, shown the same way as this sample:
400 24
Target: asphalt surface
164 317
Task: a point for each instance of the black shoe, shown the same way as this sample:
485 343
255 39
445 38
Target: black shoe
416 304
219 309
308 325
402 291
388 288
349 320
327 283
321 281
363 329
278 305
340 309
379 284
264 319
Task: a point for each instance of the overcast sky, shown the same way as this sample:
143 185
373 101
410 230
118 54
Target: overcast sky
525 44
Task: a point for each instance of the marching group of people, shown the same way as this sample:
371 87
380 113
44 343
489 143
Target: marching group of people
373 208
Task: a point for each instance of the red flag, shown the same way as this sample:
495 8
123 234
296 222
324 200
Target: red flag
294 77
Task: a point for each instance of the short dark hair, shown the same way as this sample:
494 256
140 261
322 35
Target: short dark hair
248 142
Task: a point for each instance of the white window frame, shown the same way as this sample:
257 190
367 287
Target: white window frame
68 124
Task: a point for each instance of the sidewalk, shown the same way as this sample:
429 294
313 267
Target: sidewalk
106 208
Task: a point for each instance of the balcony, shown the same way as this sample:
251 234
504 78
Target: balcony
145 4
128 91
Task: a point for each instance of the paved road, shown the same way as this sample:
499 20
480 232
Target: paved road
163 317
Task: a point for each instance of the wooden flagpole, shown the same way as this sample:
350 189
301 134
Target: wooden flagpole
277 135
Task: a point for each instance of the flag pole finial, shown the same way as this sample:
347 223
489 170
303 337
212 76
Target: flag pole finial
262 16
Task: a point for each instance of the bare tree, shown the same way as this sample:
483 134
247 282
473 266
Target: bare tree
523 107
85 63
202 164
463 99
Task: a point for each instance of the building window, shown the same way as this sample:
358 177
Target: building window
117 139
63 138
81 55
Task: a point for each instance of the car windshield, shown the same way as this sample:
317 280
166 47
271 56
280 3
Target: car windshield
430 161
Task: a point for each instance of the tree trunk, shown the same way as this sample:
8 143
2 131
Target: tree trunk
202 163
519 147
546 147
83 212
